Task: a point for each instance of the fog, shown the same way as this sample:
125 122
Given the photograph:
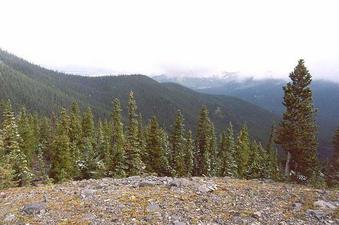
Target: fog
181 38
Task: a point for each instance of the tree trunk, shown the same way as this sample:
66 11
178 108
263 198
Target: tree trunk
287 165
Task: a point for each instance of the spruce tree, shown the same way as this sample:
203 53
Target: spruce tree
89 157
333 168
213 151
134 163
272 163
202 163
11 145
158 162
188 154
242 151
26 132
297 132
227 154
118 153
75 137
256 164
61 165
6 171
177 146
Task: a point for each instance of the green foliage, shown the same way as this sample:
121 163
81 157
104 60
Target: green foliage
257 162
297 132
118 153
272 162
243 151
188 150
158 162
11 145
333 166
134 164
178 145
228 165
202 163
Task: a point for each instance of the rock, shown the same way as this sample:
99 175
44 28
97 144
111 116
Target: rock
296 206
35 208
179 182
324 205
179 223
319 214
87 193
10 218
153 207
204 188
256 215
146 184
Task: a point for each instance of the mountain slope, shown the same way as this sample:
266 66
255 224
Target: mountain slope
268 94
45 91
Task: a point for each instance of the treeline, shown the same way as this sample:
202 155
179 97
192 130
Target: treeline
71 146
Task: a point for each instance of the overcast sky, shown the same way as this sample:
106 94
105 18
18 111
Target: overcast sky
181 37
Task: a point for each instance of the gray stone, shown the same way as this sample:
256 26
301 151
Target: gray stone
256 215
87 193
324 205
319 214
179 223
297 206
35 208
204 188
153 207
146 184
9 218
179 182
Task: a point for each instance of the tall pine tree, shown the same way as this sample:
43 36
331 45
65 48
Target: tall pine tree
134 163
243 151
297 132
202 163
11 146
118 152
158 162
333 168
177 146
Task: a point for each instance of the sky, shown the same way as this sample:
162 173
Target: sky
263 38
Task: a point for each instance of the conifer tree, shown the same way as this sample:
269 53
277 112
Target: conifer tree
333 168
272 163
26 132
227 154
202 145
118 153
177 146
158 162
61 165
297 132
256 164
134 163
89 157
88 126
103 151
75 137
142 139
243 151
188 150
6 171
213 151
11 140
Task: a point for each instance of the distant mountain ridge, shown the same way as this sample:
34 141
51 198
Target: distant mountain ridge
268 93
46 91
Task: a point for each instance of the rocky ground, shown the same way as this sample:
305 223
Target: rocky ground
163 200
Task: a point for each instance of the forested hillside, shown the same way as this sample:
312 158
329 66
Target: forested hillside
45 91
268 94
